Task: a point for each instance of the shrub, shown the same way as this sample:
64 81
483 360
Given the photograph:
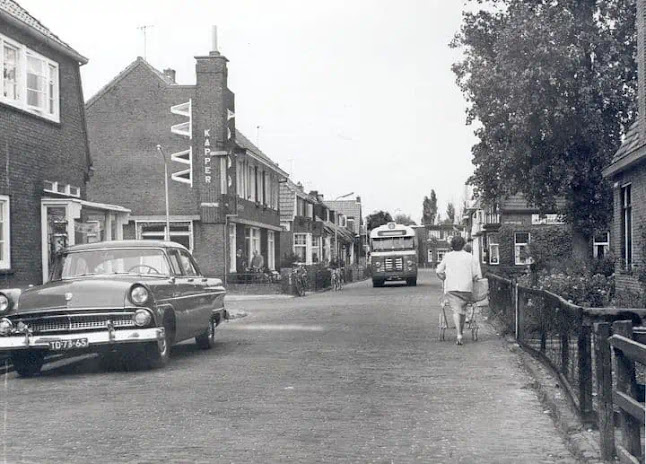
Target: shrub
576 283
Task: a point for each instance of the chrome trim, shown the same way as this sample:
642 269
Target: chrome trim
24 341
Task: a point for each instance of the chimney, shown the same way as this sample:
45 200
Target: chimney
641 69
358 199
214 41
170 75
314 193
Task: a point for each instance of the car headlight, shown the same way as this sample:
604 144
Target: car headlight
5 326
142 317
377 264
139 295
4 303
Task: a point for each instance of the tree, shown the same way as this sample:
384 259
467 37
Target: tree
378 218
450 213
429 209
553 88
404 219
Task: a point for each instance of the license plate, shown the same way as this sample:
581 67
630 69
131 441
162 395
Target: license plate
72 344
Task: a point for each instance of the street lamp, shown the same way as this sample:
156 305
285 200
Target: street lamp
336 220
167 233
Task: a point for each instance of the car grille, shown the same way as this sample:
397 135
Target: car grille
75 322
394 264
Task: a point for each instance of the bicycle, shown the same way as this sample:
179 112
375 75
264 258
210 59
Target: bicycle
299 276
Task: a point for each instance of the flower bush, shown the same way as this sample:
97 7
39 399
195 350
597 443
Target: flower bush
575 282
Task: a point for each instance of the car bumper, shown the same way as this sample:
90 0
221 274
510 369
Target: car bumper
399 275
95 339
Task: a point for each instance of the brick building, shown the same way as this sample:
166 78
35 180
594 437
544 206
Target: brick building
627 172
44 155
501 234
311 227
434 241
223 190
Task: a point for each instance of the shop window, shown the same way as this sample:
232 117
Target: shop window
316 249
601 245
521 248
180 232
626 227
5 247
232 248
271 250
252 242
300 247
29 81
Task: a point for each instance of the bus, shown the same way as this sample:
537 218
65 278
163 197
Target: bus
393 254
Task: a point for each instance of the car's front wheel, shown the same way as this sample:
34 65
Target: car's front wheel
27 363
206 340
156 354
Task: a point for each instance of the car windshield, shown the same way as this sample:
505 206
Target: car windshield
392 243
114 261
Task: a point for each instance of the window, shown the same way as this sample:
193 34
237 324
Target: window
600 244
240 178
29 80
271 250
5 246
440 256
521 248
316 249
626 227
180 232
10 72
494 253
300 207
232 248
310 210
252 242
187 264
251 184
300 247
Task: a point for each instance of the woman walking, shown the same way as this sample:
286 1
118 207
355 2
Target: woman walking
458 270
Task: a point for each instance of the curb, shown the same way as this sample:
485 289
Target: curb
582 443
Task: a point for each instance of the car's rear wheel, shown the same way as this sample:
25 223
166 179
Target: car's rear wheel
377 283
206 340
27 363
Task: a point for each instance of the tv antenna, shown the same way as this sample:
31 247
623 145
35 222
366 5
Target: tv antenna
144 29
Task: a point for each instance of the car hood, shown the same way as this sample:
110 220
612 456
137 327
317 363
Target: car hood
77 294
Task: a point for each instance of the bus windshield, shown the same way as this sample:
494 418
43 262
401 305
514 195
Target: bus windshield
393 243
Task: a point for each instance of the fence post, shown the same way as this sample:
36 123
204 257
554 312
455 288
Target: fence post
626 383
605 419
585 373
520 315
565 340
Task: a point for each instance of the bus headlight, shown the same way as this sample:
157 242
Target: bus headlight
377 264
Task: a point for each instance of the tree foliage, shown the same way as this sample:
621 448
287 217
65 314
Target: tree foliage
450 213
429 209
552 87
404 219
378 218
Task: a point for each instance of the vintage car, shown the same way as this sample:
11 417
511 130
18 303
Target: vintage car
132 298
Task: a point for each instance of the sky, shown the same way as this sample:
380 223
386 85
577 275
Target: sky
347 96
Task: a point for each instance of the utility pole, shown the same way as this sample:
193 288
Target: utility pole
143 29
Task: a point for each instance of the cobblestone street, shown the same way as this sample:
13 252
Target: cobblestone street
352 376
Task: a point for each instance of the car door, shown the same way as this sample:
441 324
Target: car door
198 302
185 290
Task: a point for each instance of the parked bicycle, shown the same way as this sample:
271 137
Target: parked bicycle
336 279
299 276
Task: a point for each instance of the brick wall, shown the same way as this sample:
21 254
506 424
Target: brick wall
209 249
125 125
637 178
32 150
